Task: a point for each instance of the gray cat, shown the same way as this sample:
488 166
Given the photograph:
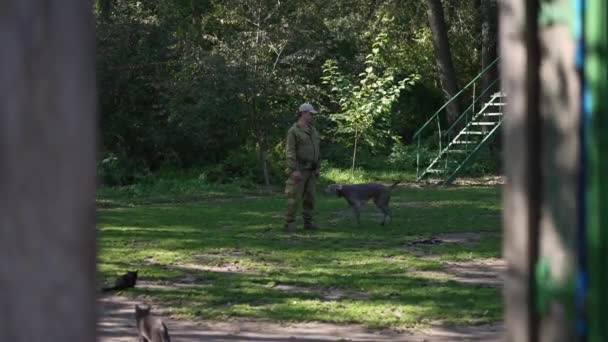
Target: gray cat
150 328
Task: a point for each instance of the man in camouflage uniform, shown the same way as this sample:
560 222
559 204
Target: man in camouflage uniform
302 156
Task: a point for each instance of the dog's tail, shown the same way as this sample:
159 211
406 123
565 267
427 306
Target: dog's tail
395 184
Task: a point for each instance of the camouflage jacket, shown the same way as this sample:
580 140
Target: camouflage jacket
302 149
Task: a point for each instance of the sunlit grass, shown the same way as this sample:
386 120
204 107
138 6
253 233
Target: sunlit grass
227 244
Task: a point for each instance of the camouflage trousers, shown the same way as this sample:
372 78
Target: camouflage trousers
302 191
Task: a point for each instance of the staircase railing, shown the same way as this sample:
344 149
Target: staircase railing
444 136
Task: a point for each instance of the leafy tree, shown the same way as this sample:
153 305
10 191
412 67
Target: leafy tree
132 47
192 83
365 105
266 41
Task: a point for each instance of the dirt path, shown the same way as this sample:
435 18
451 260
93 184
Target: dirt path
116 324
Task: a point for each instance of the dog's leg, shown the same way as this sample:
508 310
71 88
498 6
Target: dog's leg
387 215
356 205
357 214
381 203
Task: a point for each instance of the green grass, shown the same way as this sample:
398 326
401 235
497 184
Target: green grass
227 244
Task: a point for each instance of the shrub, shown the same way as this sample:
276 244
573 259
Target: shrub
115 170
243 166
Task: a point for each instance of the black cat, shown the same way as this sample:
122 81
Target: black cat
123 282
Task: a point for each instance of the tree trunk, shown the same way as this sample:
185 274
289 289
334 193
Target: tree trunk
263 161
47 171
560 166
352 169
519 199
488 29
196 13
441 44
104 8
594 239
542 162
489 46
478 23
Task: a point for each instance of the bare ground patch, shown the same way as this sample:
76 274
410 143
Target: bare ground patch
211 263
480 272
187 282
332 294
116 323
465 237
468 181
412 204
229 267
461 238
486 272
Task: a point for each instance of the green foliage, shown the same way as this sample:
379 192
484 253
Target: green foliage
365 105
259 38
404 156
386 175
181 83
241 166
487 162
119 170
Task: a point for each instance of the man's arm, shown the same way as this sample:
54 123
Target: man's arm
318 169
290 153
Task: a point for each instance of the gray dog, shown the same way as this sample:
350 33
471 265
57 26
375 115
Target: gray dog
357 194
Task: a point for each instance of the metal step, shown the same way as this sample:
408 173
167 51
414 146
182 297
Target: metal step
484 123
435 171
463 142
492 114
457 151
473 132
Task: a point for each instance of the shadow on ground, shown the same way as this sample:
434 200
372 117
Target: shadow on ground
116 323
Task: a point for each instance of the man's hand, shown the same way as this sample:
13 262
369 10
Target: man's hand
317 173
296 176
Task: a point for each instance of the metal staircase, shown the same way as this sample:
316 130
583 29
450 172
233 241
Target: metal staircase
457 146
468 141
